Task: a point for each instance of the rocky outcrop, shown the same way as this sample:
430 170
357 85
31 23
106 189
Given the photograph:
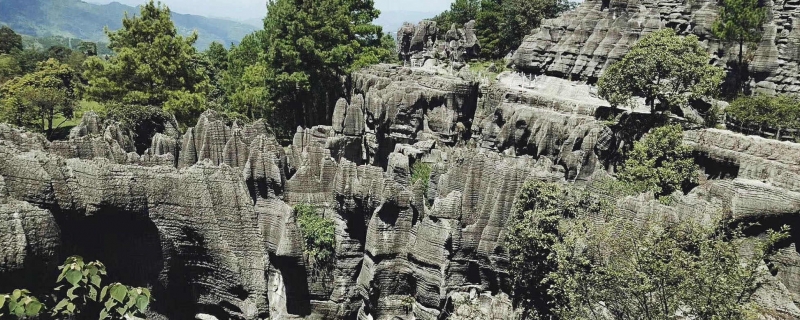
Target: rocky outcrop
581 43
205 218
426 43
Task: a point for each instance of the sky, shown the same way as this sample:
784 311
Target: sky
244 10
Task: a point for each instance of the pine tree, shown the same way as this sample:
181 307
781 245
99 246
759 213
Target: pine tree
740 22
153 65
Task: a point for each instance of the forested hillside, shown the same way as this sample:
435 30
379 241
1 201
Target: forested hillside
82 20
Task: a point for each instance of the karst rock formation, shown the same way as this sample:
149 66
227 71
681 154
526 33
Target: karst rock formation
205 217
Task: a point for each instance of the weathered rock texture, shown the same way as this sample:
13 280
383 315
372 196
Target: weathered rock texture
205 218
418 44
583 42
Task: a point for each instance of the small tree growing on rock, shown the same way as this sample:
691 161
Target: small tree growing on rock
666 69
319 234
660 163
740 22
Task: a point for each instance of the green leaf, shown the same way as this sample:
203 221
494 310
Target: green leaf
103 314
118 292
103 293
122 310
71 293
110 304
19 311
93 293
3 299
61 304
12 304
16 294
146 292
141 303
95 279
71 307
33 308
74 276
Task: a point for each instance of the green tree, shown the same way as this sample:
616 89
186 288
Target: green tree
36 98
740 22
520 17
532 232
152 65
660 163
9 68
309 47
487 23
666 69
10 41
462 11
657 269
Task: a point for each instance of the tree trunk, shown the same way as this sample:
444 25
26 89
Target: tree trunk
739 73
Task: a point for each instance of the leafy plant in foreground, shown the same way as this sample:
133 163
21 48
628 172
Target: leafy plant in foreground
81 295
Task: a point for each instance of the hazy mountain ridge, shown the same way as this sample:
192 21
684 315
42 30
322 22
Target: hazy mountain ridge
78 19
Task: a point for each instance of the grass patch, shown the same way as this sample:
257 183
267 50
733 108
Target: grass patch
319 234
421 172
482 67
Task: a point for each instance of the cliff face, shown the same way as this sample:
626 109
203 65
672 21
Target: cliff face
581 43
205 217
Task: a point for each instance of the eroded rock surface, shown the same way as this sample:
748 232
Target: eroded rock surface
581 43
205 217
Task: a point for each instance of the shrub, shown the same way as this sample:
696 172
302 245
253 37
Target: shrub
319 234
778 112
532 231
421 172
660 163
655 269
80 295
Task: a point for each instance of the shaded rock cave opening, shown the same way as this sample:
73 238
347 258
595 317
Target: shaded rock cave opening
716 169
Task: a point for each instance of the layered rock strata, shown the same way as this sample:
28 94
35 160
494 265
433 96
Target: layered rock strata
581 43
205 218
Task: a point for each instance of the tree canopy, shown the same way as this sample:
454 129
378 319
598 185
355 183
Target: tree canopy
10 41
740 22
35 99
660 163
153 65
309 46
666 69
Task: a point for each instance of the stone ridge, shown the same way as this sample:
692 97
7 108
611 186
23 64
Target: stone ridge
205 218
581 43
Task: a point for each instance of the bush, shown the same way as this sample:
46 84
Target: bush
532 231
421 171
319 234
779 112
656 269
660 163
144 121
80 295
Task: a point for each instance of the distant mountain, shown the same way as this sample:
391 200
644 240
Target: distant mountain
78 19
391 21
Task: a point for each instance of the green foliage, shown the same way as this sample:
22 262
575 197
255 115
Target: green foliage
463 11
666 69
309 46
760 110
20 304
740 21
9 68
319 234
36 98
10 41
81 295
153 66
656 269
502 24
660 163
532 231
144 120
421 172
